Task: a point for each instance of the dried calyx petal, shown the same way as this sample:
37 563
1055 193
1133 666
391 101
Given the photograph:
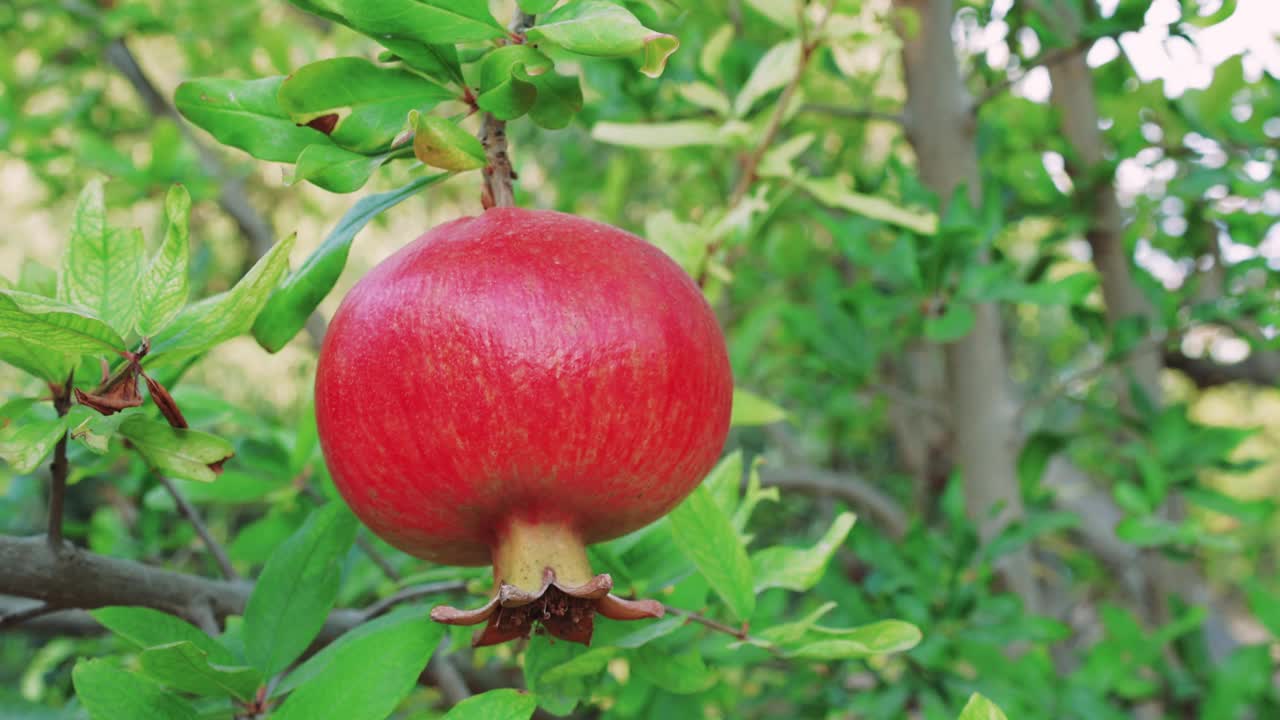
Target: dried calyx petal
542 576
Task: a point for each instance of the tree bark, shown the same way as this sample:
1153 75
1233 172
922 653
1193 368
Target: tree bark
981 409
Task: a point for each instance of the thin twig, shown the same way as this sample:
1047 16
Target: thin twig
409 594
20 616
190 512
498 174
444 674
59 469
739 633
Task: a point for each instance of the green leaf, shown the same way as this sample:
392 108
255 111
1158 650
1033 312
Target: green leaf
101 266
426 21
506 80
245 114
362 106
602 29
705 534
657 136
503 704
94 430
48 365
1035 455
680 673
297 589
367 677
880 638
37 279
831 192
980 708
163 288
177 452
223 316
1264 606
751 410
713 51
793 632
435 61
800 570
439 142
109 693
782 13
559 99
705 96
777 68
584 665
147 628
183 666
536 7
27 435
290 305
335 169
954 323
55 325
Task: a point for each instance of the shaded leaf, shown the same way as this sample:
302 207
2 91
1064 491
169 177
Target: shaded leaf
439 142
335 169
163 288
426 21
362 106
705 534
297 589
289 305
800 570
680 673
223 316
367 676
507 89
245 114
980 708
436 61
503 704
772 72
559 99
28 432
110 693
830 192
178 452
954 323
146 628
751 410
183 666
881 638
61 327
679 133
600 28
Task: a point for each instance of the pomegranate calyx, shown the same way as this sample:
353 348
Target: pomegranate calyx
567 612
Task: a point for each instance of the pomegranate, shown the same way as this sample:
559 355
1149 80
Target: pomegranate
511 387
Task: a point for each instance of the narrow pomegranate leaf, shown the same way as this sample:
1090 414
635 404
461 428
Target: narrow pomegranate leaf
703 530
163 288
335 169
367 677
503 704
440 142
879 638
297 589
58 326
750 410
184 666
368 103
101 265
28 432
426 21
980 708
245 114
221 317
796 569
177 452
603 29
110 693
290 305
144 628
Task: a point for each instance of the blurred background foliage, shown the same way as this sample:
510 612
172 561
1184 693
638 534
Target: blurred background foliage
827 307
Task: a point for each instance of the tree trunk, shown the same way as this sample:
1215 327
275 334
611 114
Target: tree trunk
941 131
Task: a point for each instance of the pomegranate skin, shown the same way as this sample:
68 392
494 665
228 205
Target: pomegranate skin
520 366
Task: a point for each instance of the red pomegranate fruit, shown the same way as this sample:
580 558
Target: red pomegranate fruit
511 387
